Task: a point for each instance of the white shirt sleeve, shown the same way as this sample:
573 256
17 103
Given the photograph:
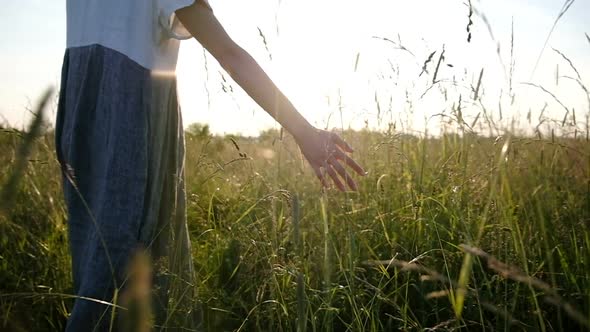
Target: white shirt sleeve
168 20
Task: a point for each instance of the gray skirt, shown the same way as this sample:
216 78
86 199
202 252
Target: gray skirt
119 140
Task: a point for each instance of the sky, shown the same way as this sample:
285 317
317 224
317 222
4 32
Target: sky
330 59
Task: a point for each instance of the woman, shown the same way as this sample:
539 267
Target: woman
119 140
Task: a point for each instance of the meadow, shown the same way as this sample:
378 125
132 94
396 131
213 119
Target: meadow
480 226
459 231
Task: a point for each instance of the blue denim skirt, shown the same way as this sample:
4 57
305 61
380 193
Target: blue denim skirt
119 140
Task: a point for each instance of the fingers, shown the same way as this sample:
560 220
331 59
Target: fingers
343 156
340 142
321 176
350 162
336 171
343 174
335 178
335 149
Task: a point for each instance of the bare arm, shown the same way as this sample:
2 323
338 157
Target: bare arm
322 149
205 27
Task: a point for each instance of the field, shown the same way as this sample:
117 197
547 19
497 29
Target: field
481 225
459 231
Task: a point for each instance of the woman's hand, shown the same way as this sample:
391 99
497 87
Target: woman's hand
326 152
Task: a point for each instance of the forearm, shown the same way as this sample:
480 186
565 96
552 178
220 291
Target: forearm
323 150
252 78
204 26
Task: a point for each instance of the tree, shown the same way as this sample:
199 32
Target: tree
198 130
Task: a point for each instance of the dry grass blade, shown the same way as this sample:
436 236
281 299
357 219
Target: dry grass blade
478 86
513 273
440 60
424 66
9 189
397 45
410 267
567 111
569 62
582 86
470 22
566 6
265 43
578 78
33 295
356 61
235 144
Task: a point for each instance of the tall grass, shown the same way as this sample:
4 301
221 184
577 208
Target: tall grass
460 231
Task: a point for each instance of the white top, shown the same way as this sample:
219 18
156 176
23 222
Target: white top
147 31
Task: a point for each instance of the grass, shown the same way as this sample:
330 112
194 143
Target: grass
459 231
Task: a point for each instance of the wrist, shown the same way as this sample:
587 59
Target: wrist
301 130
